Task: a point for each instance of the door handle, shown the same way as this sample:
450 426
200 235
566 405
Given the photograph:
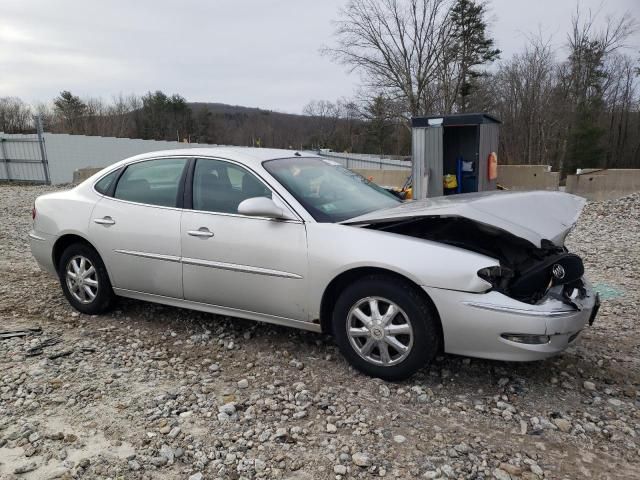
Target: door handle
104 221
202 232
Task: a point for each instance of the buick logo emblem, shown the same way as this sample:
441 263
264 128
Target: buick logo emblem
558 271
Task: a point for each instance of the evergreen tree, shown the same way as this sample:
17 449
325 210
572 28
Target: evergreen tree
585 77
470 47
378 112
165 118
70 109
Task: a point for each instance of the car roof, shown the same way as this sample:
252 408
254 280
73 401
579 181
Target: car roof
246 155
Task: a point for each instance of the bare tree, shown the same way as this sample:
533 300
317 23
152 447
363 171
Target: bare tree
15 115
524 88
326 115
396 45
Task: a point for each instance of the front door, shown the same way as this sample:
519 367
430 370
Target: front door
243 263
137 230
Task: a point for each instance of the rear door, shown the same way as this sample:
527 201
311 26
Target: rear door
136 227
249 264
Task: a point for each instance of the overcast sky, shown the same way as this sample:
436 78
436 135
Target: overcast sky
262 53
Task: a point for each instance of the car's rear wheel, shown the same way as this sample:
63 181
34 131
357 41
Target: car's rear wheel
84 280
385 327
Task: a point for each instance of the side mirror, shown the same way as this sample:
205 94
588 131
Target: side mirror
263 207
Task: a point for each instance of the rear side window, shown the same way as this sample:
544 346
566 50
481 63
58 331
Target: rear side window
154 182
104 184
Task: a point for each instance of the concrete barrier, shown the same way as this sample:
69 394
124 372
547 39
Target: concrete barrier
528 177
81 174
604 184
386 177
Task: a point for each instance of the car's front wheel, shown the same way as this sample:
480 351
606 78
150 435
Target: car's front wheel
385 327
84 280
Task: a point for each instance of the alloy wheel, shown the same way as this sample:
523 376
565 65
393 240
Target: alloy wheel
379 331
82 279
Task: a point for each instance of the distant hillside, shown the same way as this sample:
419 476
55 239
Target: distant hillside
237 125
214 107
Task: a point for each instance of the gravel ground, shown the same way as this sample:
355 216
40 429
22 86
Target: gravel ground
158 392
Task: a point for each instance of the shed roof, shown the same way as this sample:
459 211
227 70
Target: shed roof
454 119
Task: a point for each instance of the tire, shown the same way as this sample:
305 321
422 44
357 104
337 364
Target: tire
98 297
414 324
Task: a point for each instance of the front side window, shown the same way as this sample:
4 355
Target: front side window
220 186
329 193
154 182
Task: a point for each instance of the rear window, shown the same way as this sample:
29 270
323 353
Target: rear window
104 184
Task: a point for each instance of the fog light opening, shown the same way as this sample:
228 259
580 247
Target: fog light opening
527 339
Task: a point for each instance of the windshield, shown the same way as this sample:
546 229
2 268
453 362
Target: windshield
330 193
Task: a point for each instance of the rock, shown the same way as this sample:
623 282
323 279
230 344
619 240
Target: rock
615 402
384 390
361 459
523 427
167 452
500 474
590 386
448 471
259 465
196 476
244 383
159 461
331 428
296 364
510 468
536 469
281 433
399 438
562 424
339 469
26 468
227 409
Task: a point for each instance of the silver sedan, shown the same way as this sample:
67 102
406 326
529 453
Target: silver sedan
287 238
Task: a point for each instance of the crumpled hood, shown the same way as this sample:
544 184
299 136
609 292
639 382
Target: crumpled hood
533 216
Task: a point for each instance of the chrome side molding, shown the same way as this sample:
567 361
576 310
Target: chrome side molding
211 264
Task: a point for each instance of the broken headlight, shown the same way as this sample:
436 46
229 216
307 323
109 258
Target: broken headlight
496 275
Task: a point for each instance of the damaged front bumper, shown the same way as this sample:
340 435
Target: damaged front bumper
492 325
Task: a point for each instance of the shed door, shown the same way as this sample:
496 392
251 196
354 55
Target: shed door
427 161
